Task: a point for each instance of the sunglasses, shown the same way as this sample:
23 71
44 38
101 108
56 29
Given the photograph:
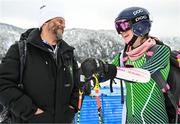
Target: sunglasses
122 26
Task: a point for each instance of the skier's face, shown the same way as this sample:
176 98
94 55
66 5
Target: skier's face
56 25
127 36
123 27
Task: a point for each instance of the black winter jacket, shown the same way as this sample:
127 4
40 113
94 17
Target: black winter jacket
50 82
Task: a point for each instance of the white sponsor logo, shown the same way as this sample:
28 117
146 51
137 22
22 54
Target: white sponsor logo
140 18
137 11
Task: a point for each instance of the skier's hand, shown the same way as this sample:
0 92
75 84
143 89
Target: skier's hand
90 67
39 111
95 66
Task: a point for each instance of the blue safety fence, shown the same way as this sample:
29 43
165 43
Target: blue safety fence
111 110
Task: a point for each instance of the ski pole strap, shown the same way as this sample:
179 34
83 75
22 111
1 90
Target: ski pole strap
96 87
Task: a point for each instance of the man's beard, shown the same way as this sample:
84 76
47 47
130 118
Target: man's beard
59 35
58 31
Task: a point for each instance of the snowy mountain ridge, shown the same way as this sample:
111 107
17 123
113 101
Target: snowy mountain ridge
103 44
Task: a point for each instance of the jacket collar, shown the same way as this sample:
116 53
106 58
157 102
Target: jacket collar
34 38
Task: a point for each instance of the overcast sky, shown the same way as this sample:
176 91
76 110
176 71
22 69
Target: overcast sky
93 14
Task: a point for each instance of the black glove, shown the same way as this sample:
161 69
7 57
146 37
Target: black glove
95 66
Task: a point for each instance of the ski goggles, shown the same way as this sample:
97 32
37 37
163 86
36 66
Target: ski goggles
122 26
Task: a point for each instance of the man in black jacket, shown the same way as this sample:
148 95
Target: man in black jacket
50 77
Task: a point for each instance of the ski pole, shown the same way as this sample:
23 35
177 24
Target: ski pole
79 106
96 89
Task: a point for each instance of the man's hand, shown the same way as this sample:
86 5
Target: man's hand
39 111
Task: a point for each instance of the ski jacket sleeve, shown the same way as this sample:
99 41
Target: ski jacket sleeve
116 60
159 60
75 90
11 96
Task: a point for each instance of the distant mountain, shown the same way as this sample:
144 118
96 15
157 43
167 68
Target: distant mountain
88 43
103 44
8 34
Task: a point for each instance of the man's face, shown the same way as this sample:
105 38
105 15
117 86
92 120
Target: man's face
56 25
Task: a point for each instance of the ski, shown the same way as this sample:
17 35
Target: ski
133 74
130 74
